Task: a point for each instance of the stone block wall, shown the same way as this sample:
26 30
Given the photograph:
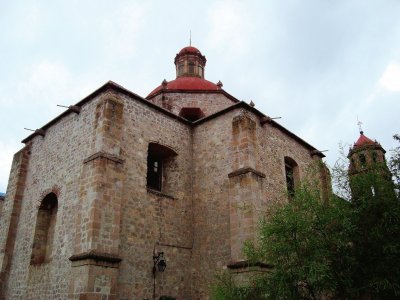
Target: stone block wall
109 224
238 170
55 165
209 103
154 221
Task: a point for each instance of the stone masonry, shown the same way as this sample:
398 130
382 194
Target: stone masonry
97 234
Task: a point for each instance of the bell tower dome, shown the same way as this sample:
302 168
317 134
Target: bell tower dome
189 62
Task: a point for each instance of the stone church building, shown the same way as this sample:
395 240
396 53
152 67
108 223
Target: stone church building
124 197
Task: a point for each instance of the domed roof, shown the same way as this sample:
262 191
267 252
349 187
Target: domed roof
189 49
186 84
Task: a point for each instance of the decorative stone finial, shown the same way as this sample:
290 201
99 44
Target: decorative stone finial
252 103
164 83
219 84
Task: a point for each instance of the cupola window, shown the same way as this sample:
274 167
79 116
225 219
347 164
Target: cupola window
191 68
181 68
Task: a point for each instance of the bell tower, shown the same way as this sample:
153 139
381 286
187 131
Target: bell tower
365 154
367 166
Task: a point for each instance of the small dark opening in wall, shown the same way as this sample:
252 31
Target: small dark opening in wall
191 113
291 172
363 160
156 156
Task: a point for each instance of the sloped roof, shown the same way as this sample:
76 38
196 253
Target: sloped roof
363 140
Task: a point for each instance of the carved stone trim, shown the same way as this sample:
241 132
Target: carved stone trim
105 155
160 194
97 256
243 171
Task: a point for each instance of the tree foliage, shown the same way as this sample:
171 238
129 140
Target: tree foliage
340 249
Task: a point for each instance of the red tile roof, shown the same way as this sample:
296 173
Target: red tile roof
363 140
190 49
187 84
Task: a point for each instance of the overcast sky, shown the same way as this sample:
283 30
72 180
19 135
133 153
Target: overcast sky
317 64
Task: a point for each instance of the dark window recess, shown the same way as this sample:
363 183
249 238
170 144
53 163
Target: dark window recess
374 157
44 230
289 179
156 156
291 173
154 172
191 113
363 161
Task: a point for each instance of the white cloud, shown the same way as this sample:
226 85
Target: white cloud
390 79
122 27
231 26
25 20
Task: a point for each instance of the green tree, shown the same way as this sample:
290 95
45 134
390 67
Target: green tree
340 248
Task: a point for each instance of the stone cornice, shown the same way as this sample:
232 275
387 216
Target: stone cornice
243 171
97 256
102 154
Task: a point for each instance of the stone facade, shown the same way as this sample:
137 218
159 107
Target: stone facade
105 224
1 202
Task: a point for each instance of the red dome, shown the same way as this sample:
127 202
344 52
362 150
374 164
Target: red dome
189 49
187 84
363 140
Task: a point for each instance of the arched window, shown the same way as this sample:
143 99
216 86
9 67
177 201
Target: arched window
160 162
44 231
292 174
191 113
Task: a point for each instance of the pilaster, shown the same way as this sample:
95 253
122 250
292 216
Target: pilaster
96 248
245 184
11 213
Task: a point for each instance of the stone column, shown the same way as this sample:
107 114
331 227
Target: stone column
96 249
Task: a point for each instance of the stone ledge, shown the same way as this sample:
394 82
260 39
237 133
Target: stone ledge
97 256
243 171
242 264
102 154
160 194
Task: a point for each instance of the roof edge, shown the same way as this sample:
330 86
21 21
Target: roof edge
245 105
108 86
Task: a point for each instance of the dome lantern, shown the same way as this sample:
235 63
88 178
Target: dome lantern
189 62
